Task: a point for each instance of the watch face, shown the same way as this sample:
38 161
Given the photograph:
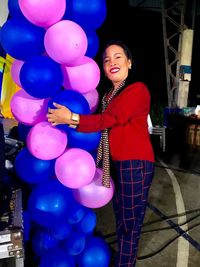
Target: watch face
75 117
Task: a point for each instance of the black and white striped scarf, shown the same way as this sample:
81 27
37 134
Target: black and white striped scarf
103 149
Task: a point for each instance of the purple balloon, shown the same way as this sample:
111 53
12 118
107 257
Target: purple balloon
43 13
75 168
15 71
94 195
82 77
65 42
92 98
27 109
45 141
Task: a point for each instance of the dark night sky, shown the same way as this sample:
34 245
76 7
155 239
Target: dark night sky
141 30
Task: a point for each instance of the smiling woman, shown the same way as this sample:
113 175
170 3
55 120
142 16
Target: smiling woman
116 64
124 150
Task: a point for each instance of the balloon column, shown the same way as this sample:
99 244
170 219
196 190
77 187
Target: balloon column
53 43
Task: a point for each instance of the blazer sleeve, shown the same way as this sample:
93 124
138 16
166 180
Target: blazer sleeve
134 100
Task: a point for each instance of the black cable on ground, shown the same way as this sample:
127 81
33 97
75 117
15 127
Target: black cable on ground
170 241
171 217
178 229
163 220
170 227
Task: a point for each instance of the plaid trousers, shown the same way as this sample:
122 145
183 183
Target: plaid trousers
132 182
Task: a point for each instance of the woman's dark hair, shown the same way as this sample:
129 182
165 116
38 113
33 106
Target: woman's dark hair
122 45
132 76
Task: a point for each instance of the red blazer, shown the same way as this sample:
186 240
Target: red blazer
126 119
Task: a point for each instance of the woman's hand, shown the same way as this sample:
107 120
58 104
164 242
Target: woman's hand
59 115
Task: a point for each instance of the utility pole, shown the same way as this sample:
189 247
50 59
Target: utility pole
178 43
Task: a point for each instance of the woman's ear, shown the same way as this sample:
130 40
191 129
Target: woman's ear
130 64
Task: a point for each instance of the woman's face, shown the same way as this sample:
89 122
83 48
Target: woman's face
116 64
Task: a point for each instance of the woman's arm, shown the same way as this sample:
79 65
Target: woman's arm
131 102
91 123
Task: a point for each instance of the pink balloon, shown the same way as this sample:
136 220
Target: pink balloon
28 109
45 141
94 195
83 77
75 168
15 71
92 98
43 13
65 42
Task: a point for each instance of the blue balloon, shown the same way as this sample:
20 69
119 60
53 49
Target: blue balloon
95 254
49 203
76 213
87 15
23 131
57 257
31 169
68 12
88 223
42 241
94 154
21 39
41 77
14 9
86 141
74 100
93 44
75 243
26 225
61 230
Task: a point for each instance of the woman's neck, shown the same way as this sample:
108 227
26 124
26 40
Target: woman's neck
117 85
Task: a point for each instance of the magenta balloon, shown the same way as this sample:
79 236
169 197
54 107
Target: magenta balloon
15 71
28 109
45 141
92 98
65 42
43 13
94 195
75 168
83 77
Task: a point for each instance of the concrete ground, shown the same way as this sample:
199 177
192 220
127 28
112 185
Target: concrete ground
171 230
